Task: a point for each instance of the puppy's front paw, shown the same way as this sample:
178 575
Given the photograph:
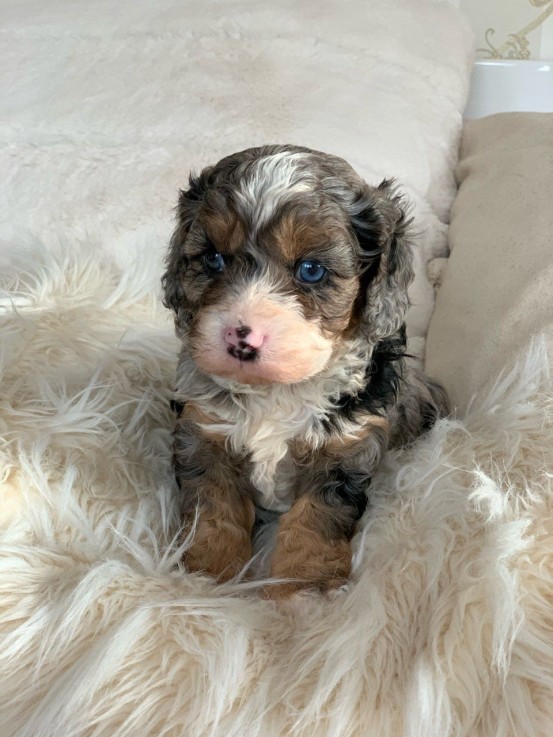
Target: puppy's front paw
219 549
308 554
330 587
322 569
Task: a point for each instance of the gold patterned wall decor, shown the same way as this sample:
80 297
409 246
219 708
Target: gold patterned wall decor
512 29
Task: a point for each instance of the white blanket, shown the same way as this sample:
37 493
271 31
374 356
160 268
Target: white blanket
108 105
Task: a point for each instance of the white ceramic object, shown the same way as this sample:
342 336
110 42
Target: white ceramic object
510 85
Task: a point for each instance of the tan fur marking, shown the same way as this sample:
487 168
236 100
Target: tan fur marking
371 421
293 240
222 539
341 445
306 552
345 445
224 230
193 413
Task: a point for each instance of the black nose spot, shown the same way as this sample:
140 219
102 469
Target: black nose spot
243 331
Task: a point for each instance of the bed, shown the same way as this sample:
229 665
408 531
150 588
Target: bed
447 626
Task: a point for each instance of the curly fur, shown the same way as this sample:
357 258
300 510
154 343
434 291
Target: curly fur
311 442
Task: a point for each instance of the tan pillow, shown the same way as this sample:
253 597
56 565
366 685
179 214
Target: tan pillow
497 290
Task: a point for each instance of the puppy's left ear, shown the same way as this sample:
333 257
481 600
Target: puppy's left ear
381 222
176 261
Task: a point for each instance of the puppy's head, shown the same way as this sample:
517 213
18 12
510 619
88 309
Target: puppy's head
280 255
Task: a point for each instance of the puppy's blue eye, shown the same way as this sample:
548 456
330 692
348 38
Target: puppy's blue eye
214 262
310 272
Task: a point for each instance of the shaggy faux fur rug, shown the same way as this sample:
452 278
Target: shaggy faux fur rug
446 629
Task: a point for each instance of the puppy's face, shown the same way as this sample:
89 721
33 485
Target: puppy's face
270 267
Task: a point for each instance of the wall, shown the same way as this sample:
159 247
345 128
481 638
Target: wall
512 29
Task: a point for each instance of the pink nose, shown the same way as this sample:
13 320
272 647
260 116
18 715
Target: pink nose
243 336
243 342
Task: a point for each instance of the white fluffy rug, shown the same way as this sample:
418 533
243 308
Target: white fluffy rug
447 628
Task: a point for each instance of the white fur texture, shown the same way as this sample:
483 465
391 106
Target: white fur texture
447 628
108 105
277 179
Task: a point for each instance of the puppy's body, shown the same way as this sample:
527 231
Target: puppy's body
290 384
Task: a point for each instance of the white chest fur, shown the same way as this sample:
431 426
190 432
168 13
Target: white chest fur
261 421
262 426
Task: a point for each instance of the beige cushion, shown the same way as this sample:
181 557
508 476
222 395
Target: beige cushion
497 290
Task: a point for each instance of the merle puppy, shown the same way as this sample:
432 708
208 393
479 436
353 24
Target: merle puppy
288 276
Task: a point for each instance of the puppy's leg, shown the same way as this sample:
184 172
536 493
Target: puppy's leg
217 508
314 538
421 402
313 548
221 522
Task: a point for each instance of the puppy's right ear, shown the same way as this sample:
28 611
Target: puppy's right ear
176 261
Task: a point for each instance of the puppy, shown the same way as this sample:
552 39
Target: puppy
288 277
